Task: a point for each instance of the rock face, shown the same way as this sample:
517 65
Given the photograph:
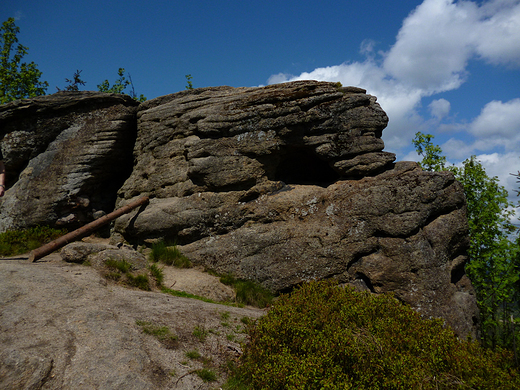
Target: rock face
62 326
289 183
66 155
279 184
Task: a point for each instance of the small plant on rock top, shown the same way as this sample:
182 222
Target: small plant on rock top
157 274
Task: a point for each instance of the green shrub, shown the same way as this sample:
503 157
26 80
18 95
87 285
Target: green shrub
17 242
326 337
193 354
248 292
169 255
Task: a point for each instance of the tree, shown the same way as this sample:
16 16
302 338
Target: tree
491 267
73 85
433 160
120 85
18 79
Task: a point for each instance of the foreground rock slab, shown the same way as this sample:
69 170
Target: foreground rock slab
63 327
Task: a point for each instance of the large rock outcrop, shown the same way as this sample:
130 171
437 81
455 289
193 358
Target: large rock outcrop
289 183
279 184
66 156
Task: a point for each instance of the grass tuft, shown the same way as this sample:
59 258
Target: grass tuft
169 255
119 265
200 333
161 333
140 281
157 274
249 292
206 375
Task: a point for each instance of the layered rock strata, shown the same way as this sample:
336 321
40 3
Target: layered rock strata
66 156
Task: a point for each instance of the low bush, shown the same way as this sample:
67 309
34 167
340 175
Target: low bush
323 336
119 265
169 255
16 242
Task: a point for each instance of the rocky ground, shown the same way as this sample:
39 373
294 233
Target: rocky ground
64 326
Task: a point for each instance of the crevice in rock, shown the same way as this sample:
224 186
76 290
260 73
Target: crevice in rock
47 375
364 280
300 166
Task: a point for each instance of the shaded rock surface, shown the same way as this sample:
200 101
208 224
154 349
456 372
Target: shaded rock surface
63 327
66 155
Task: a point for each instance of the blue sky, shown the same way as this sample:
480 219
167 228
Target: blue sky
448 68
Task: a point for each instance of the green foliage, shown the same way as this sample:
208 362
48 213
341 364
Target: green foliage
157 274
120 85
169 255
200 333
16 242
18 79
120 265
248 292
433 160
140 281
184 294
494 258
206 375
193 355
123 268
73 85
492 267
323 336
162 333
188 81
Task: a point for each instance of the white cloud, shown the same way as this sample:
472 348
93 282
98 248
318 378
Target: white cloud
439 108
499 33
439 37
456 149
430 56
503 166
499 123
433 46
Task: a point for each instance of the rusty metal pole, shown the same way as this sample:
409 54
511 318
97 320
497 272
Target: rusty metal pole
84 231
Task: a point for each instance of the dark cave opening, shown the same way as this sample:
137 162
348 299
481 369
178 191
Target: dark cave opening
299 166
